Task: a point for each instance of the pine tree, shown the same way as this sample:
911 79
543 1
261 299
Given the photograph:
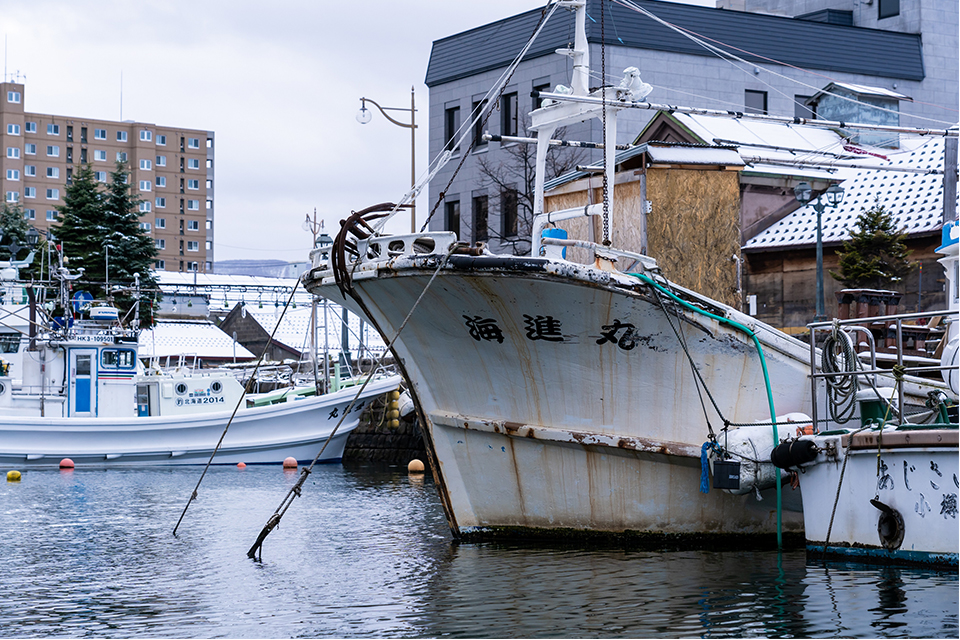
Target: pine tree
14 228
100 225
875 256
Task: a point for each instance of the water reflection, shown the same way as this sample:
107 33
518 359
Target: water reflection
367 553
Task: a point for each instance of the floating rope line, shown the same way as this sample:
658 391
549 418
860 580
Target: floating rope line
246 389
274 520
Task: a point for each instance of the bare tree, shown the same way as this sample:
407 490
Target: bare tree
510 180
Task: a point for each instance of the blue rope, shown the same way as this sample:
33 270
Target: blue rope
705 465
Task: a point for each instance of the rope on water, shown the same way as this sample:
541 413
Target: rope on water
246 389
274 520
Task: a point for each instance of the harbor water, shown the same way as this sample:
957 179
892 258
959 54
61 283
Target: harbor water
366 552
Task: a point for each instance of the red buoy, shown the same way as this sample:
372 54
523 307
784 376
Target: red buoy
66 463
290 463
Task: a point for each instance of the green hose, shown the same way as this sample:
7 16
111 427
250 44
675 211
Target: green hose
763 363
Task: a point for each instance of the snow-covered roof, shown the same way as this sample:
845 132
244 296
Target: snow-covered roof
225 291
295 327
863 90
189 337
914 199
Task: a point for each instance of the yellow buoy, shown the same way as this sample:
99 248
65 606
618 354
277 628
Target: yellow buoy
415 466
13 476
393 424
395 395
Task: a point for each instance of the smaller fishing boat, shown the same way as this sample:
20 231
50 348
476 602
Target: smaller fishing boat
77 389
885 490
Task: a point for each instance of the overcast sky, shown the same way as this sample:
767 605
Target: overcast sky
279 83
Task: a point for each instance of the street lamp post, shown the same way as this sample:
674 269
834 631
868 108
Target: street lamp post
804 194
364 116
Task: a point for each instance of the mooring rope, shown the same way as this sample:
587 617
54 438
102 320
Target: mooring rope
294 492
243 395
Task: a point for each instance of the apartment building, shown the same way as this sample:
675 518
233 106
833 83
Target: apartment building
171 170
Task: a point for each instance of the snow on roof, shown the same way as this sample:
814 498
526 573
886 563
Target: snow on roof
189 337
914 199
294 330
862 89
225 291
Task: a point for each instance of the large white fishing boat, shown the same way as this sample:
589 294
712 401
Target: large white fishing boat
77 390
564 399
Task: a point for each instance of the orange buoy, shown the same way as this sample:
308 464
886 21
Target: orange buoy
241 465
66 463
415 466
290 463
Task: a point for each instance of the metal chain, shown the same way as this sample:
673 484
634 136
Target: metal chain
603 99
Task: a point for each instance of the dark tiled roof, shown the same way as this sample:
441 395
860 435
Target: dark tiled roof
807 44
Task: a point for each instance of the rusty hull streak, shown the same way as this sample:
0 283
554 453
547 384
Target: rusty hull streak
550 434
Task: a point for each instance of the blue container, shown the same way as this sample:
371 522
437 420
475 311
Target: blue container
556 233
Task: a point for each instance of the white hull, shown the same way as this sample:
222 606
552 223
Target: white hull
537 436
260 435
918 477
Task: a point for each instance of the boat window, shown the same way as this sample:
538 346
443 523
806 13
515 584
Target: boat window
119 358
9 342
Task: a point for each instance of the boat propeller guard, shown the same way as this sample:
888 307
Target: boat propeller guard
890 526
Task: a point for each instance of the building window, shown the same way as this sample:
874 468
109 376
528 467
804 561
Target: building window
478 108
53 151
209 245
145 185
13 96
53 172
13 196
83 155
145 136
480 229
30 127
193 184
161 161
193 205
13 129
162 140
452 215
30 170
209 163
121 156
53 129
146 165
160 243
209 184
121 136
29 192
145 226
83 135
508 115
13 174
29 214
209 224
800 107
53 194
538 101
100 155
30 149
193 245
755 101
193 225
193 163
161 181
193 143
53 214
160 264
13 152
161 203
160 223
69 133
99 134
100 176
209 204
451 122
888 8
508 213
145 207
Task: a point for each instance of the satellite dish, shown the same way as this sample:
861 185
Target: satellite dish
81 300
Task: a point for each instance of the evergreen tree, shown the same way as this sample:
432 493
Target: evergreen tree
14 228
875 256
97 225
